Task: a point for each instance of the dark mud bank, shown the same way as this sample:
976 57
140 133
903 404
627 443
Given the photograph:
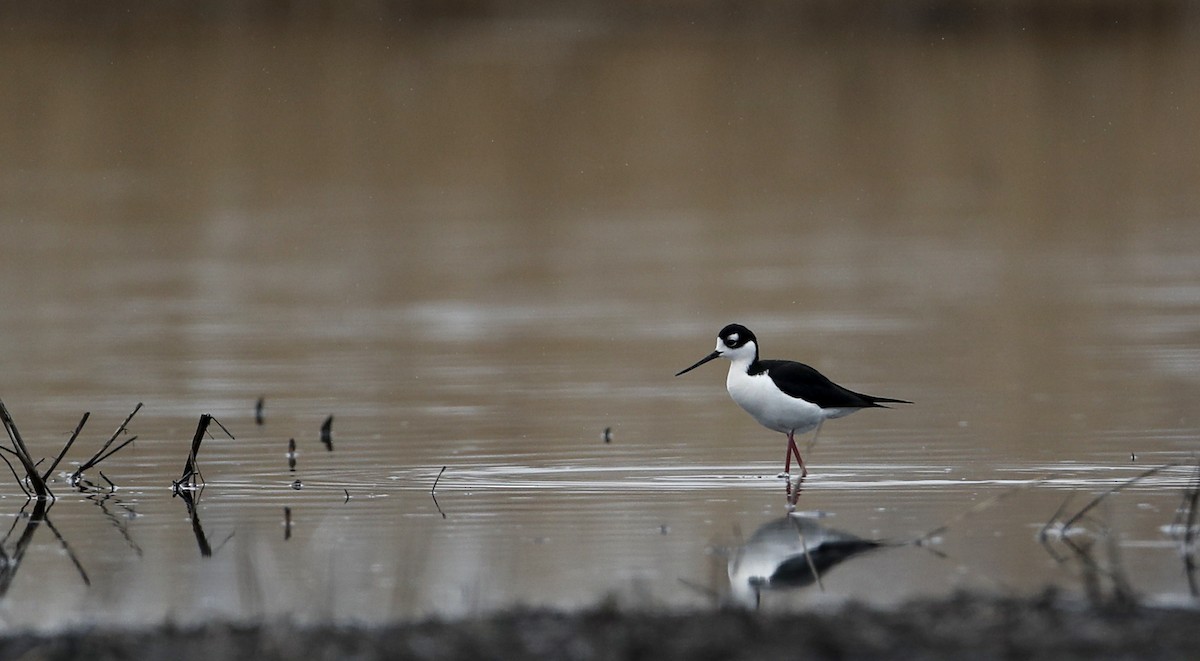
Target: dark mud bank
962 626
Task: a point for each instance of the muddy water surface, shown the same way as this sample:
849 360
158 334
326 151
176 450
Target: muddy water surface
479 247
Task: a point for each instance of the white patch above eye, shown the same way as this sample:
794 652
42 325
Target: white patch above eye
733 338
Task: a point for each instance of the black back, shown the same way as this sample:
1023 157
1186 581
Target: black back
799 380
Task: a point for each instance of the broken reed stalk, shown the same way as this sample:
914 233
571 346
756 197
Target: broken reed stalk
433 489
1100 498
190 468
1191 500
31 473
70 442
923 540
20 482
433 492
327 433
101 454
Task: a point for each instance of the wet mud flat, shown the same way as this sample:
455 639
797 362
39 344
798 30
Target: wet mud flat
955 627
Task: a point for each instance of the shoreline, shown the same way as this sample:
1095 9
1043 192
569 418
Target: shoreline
1048 625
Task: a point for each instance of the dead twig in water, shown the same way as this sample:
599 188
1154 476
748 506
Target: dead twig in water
191 469
20 482
103 452
924 539
35 480
1100 498
258 411
1094 572
70 442
1084 546
327 433
433 492
1044 533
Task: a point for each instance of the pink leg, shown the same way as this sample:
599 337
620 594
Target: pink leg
792 449
787 455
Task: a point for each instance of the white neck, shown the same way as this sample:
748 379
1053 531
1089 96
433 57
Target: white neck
741 358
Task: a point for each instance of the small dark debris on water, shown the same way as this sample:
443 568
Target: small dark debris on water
258 411
433 492
287 523
327 433
347 495
291 454
1132 457
608 434
297 485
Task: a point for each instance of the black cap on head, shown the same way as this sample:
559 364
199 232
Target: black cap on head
736 335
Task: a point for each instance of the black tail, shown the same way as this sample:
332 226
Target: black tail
881 401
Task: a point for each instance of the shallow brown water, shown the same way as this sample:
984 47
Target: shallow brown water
478 247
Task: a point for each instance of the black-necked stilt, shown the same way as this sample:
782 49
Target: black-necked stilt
783 395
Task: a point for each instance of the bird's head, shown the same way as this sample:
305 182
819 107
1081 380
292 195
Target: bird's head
735 342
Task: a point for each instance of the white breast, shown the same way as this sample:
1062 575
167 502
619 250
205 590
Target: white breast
770 406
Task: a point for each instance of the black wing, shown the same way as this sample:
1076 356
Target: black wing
800 380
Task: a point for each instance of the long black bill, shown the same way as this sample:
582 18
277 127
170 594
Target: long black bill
712 356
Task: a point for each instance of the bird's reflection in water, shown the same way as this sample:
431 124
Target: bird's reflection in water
790 552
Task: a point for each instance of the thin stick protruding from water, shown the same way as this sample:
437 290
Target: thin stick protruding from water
191 469
433 489
16 476
433 492
102 453
327 433
22 453
70 442
1100 498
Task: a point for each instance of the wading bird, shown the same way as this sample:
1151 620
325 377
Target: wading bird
783 395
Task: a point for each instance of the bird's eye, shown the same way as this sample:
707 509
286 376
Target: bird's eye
732 340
